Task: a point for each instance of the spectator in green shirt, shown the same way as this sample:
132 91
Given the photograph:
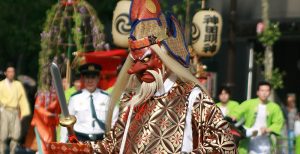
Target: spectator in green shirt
262 118
226 105
76 87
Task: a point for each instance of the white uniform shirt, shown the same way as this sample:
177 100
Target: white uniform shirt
79 106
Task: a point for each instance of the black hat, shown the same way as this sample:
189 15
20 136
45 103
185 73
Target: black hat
90 68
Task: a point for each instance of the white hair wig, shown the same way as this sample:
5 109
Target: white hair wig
122 84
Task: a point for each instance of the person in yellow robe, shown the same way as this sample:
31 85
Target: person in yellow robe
13 107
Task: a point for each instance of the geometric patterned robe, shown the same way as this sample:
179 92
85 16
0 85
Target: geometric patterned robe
157 126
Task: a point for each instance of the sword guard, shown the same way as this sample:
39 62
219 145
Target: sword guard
69 122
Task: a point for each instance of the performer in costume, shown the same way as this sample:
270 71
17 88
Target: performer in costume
13 107
45 119
226 105
89 106
163 108
262 118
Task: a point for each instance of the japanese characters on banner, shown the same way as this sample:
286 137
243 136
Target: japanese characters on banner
121 24
206 32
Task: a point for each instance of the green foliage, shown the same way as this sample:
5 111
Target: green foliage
45 47
21 24
270 35
259 58
276 78
179 9
77 32
68 28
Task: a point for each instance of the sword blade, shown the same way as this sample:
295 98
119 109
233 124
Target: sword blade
59 89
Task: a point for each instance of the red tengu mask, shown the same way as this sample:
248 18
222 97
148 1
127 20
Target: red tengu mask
145 59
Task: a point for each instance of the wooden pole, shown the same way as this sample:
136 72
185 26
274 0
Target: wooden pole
203 4
231 46
187 22
268 57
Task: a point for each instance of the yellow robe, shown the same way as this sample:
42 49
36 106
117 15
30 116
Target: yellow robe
12 95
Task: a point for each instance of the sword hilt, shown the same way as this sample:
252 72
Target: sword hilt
69 122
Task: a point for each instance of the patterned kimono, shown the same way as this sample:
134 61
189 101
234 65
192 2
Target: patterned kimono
157 125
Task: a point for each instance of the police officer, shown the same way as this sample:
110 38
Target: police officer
89 106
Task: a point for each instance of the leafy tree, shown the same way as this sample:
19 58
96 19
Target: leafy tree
21 25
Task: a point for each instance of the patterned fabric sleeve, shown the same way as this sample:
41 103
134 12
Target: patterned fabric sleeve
211 134
111 142
107 145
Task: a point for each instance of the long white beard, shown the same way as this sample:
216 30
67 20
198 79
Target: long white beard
146 90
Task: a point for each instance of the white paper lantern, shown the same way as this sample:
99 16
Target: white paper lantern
206 32
121 24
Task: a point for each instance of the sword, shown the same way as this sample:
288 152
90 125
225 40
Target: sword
67 120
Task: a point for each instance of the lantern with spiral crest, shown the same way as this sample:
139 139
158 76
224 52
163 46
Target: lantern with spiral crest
121 24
